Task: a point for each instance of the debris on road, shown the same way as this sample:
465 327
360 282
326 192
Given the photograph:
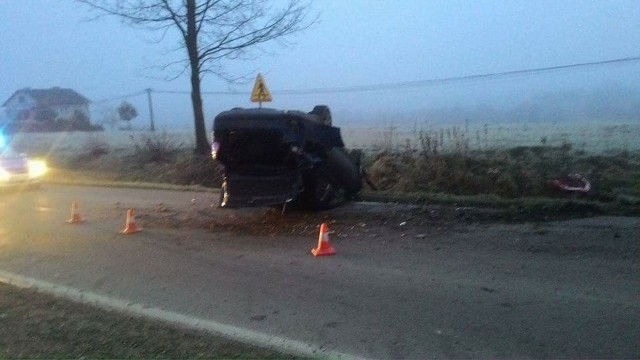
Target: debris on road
573 183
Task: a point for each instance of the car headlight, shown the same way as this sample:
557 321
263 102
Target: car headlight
4 175
37 168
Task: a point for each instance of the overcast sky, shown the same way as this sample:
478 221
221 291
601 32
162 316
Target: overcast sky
47 43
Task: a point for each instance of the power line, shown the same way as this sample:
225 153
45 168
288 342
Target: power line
202 92
417 83
430 82
120 97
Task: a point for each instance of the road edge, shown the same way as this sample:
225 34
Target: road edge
251 337
132 185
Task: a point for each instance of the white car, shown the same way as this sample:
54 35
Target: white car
18 169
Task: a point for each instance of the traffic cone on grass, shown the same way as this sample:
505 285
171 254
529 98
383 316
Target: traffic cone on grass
324 247
131 227
75 217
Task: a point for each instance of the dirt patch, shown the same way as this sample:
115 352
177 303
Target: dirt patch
354 217
36 325
403 224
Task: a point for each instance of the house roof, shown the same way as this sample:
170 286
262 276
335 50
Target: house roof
52 96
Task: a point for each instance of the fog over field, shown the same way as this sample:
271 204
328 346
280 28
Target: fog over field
612 96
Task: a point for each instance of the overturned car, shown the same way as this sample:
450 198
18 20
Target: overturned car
274 157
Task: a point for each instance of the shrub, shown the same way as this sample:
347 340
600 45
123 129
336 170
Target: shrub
156 148
94 147
194 169
385 171
516 172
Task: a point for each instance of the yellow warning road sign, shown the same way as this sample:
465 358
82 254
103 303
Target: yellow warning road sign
260 91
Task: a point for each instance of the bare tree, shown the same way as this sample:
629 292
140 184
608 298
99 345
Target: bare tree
211 31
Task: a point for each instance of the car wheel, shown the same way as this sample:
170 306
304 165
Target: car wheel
323 114
344 171
320 191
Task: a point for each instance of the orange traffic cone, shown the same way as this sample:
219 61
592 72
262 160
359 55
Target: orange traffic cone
131 227
324 247
75 217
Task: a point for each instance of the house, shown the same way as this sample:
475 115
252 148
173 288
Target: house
45 105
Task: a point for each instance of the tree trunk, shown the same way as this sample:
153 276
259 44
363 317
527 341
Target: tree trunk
202 143
191 40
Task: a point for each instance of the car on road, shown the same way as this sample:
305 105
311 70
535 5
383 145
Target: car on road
275 157
16 169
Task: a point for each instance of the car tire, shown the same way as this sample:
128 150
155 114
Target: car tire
319 190
323 114
344 171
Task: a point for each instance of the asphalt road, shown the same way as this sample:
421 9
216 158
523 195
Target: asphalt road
406 283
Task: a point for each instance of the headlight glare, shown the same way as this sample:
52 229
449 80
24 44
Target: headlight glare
37 168
4 175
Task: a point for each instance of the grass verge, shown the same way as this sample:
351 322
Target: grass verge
37 325
520 179
510 173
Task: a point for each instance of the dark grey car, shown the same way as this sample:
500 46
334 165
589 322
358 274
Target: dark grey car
274 157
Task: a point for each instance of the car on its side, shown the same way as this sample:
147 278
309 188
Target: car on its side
274 157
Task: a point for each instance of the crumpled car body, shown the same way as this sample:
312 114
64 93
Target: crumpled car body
274 157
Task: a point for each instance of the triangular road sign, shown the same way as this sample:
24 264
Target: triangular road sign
260 91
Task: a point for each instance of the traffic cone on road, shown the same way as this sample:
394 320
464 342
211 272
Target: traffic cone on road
324 247
75 217
130 226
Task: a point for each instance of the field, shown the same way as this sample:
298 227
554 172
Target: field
594 138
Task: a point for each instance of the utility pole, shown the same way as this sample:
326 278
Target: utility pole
152 128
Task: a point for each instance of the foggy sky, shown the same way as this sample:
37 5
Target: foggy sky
47 43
